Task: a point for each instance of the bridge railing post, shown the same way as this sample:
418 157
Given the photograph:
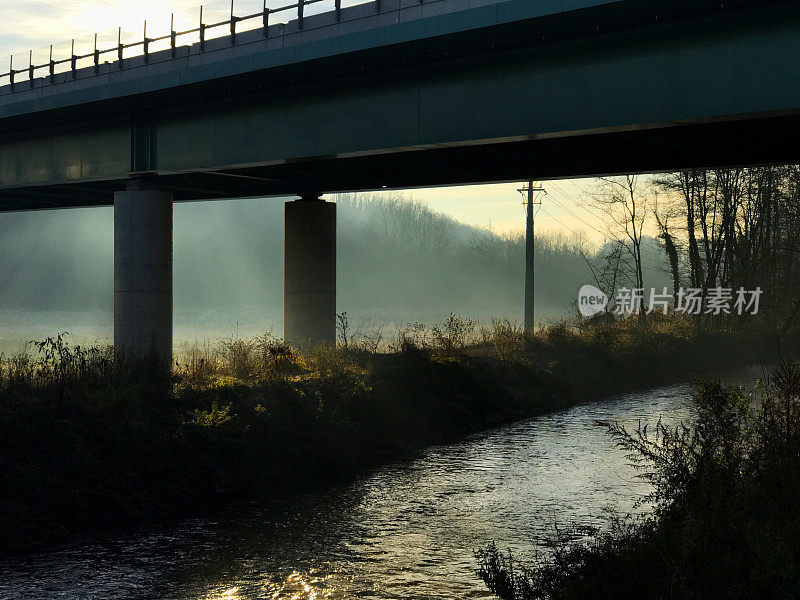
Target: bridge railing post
96 56
172 34
146 44
202 31
52 66
74 61
233 26
265 15
300 14
11 71
120 47
30 68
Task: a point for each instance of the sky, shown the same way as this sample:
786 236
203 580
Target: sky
35 24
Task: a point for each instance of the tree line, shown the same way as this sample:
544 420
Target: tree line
728 228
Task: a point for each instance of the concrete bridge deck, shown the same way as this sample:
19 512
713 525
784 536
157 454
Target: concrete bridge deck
446 92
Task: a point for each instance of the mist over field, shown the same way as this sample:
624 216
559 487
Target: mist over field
398 262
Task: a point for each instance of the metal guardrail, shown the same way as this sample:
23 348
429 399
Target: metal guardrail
122 51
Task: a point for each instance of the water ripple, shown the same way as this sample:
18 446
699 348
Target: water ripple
406 530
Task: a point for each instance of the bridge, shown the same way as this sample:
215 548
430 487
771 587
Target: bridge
380 95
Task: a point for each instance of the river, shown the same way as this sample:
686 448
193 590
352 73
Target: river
405 530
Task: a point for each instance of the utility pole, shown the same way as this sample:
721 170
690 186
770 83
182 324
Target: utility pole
529 202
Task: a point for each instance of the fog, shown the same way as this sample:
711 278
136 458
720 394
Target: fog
398 262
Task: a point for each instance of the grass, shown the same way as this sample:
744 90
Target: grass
726 518
91 441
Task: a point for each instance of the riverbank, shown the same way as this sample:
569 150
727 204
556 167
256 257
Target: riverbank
89 444
726 498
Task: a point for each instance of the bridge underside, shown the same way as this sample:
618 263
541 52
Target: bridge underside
761 140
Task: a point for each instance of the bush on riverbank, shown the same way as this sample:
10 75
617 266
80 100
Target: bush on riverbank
726 519
90 441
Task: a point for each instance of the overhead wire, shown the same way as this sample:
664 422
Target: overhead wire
654 267
655 264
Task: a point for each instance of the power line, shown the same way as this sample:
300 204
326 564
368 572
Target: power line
657 265
583 205
584 192
575 233
578 217
581 189
650 258
654 268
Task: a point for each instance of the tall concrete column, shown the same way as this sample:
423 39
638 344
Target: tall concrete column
143 269
309 305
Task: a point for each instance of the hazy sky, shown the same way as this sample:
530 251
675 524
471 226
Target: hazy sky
33 24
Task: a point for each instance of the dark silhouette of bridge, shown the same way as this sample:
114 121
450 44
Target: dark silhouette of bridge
385 94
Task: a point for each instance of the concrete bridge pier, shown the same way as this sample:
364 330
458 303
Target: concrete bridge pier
143 269
309 306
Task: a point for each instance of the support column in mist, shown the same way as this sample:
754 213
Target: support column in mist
309 293
143 269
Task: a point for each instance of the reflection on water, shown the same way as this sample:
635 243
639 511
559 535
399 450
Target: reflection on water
407 530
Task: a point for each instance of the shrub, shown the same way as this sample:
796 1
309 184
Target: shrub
507 338
451 337
210 418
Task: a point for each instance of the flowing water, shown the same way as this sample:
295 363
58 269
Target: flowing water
406 530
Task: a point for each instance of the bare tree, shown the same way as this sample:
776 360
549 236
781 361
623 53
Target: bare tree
691 186
624 201
664 212
606 267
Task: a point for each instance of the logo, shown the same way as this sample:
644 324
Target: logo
689 301
591 300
